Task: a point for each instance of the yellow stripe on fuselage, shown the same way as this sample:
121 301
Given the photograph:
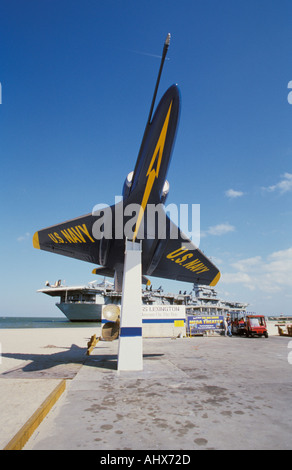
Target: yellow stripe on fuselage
153 173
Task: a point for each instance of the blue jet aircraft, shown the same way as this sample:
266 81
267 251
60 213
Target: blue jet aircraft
99 237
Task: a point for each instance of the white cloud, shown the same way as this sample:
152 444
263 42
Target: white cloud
220 229
245 264
21 238
232 194
283 186
272 275
237 278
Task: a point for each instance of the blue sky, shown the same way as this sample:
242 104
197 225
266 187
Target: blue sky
77 81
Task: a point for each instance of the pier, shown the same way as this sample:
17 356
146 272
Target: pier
193 393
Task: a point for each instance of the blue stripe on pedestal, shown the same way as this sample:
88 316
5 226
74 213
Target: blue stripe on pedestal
128 331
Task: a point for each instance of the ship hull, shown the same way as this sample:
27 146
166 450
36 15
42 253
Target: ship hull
81 311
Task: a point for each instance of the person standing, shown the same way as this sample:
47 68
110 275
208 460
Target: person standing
229 324
225 326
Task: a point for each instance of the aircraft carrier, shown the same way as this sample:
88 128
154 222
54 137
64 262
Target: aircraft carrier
84 303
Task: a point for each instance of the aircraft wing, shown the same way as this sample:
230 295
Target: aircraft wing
174 258
72 238
179 259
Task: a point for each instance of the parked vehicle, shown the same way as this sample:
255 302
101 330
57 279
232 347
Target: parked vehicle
256 325
249 325
238 324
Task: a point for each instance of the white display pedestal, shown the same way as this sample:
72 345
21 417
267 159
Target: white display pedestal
130 353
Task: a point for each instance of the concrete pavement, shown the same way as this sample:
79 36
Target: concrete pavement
198 393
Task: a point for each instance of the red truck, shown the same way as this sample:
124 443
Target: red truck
249 325
256 325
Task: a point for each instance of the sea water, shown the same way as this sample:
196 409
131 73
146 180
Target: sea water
42 322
